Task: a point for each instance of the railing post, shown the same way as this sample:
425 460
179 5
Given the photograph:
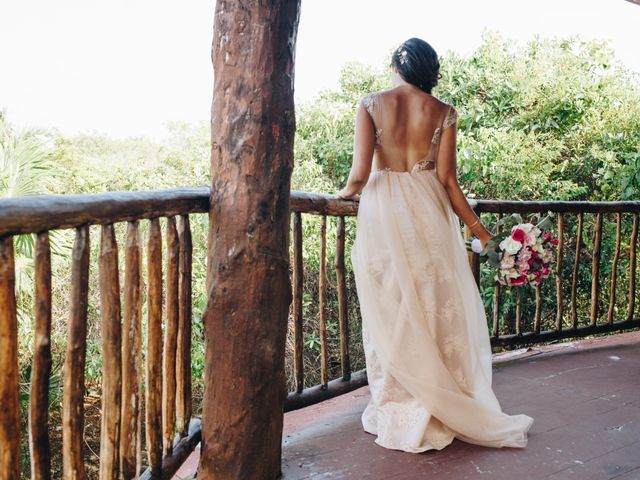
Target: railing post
39 445
10 408
74 362
474 258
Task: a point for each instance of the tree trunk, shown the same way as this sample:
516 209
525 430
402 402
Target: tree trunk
253 125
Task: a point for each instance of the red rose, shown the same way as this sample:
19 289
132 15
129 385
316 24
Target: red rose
547 236
554 241
518 281
545 271
518 235
534 254
530 261
538 279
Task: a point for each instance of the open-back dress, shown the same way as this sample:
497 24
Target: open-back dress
424 329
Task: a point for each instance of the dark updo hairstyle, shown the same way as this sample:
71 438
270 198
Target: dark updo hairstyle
417 63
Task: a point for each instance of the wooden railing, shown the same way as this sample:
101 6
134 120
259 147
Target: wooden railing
171 432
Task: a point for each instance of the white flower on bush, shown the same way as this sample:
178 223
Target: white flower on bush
510 245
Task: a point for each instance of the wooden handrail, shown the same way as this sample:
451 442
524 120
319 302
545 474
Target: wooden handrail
39 213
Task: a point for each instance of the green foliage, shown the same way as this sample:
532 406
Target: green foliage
551 119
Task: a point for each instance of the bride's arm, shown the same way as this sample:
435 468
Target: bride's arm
447 175
363 145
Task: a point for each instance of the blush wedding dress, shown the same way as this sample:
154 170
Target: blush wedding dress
424 328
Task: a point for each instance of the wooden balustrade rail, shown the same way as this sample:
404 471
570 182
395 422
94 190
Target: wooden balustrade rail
170 431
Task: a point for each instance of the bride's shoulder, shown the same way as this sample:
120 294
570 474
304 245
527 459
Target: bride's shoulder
370 101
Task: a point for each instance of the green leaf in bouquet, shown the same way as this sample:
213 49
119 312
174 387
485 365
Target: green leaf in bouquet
546 223
500 236
492 255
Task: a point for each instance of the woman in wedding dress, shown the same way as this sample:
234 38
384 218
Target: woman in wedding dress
424 327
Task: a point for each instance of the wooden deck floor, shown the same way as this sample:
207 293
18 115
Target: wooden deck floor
584 397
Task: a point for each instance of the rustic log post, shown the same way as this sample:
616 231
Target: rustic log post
322 298
153 387
9 399
130 462
595 270
298 274
343 318
39 446
170 340
253 126
74 362
614 267
495 328
559 257
474 258
111 332
537 316
633 241
183 358
574 283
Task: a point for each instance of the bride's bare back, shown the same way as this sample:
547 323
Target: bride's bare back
407 124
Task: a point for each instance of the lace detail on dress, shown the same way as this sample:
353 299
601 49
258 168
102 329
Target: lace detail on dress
378 136
370 102
424 165
450 119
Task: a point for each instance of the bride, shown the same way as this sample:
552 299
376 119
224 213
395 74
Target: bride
424 329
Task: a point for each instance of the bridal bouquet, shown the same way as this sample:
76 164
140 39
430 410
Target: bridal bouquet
523 254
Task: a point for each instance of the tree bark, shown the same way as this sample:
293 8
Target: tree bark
253 126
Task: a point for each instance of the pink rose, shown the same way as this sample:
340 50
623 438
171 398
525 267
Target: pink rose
518 235
547 236
545 271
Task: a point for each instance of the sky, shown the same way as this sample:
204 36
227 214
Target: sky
127 68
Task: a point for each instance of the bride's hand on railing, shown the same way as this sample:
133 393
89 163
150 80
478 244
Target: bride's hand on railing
345 195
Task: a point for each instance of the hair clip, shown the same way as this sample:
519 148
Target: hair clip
403 57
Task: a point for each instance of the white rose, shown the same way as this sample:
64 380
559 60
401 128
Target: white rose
510 245
476 245
527 227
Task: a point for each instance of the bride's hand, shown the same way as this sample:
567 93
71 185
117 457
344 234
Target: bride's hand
484 239
342 194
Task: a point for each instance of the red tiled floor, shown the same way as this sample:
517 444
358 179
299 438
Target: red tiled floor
584 397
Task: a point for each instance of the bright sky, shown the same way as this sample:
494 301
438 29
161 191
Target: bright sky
129 67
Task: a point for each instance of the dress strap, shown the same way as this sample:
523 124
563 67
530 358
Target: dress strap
370 102
449 119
